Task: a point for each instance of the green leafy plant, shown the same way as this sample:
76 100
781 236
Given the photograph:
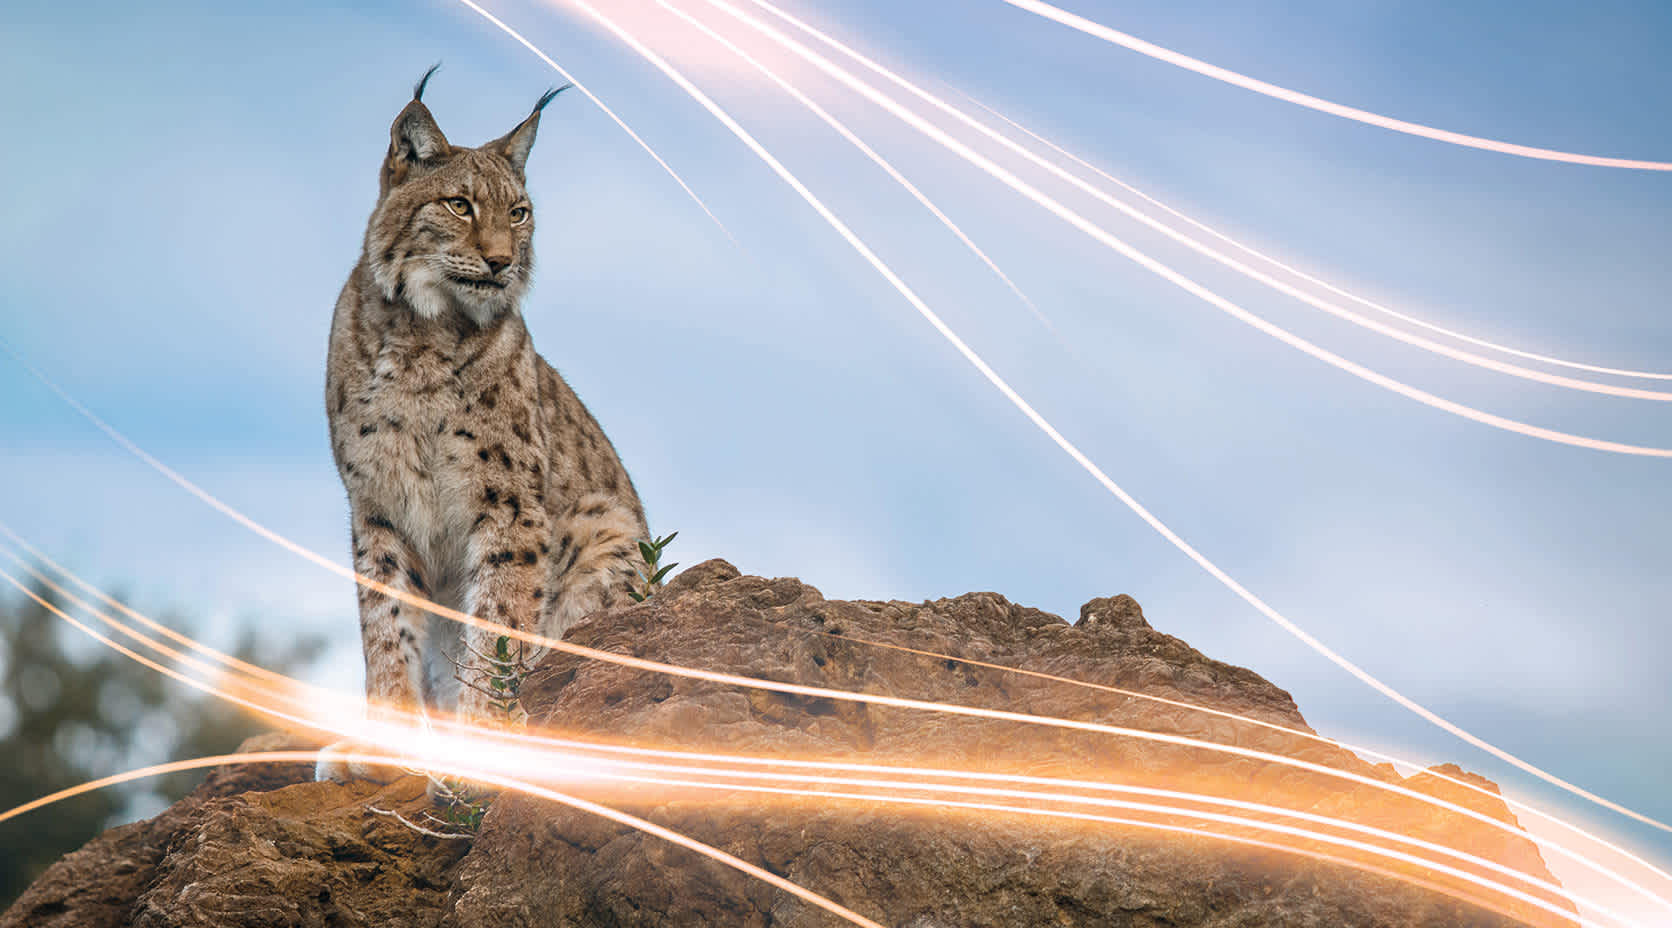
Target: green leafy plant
651 572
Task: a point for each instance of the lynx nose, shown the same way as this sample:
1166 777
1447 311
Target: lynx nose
497 263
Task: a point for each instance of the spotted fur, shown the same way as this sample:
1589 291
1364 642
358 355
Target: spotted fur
475 476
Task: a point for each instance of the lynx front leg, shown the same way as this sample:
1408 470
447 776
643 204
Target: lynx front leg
508 558
392 636
593 564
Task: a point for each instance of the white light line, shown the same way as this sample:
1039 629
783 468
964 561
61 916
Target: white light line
1142 47
1315 281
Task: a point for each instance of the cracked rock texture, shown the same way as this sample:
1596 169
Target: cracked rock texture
262 846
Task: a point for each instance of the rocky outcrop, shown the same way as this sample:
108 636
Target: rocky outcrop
261 846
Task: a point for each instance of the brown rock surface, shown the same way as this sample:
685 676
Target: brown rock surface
262 847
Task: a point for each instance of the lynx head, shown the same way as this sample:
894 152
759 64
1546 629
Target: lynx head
453 228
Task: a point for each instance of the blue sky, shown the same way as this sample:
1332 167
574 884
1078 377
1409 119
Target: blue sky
197 177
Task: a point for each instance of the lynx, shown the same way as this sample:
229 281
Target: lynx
475 476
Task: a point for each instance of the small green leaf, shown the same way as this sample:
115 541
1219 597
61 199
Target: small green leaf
637 596
647 552
664 542
663 572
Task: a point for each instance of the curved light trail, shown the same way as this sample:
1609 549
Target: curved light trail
316 697
650 828
478 744
1098 30
891 798
1108 240
1248 249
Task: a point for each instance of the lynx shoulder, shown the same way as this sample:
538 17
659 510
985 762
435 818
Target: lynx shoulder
476 478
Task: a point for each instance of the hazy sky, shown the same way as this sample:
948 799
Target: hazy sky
190 183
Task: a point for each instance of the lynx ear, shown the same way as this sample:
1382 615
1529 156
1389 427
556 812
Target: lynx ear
516 144
415 141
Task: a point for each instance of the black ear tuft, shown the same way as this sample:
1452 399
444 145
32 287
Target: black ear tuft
516 144
546 97
418 88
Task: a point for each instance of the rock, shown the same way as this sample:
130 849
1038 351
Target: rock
264 847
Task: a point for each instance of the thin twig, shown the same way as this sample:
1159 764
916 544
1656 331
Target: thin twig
415 826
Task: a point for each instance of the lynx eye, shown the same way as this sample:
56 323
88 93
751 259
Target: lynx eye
459 205
519 215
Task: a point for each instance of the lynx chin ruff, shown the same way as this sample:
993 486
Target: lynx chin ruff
475 476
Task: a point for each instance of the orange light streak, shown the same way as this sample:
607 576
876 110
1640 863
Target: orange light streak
1426 768
223 658
1247 249
1065 797
1085 462
1105 238
1138 45
576 802
525 43
524 786
482 748
474 741
1238 821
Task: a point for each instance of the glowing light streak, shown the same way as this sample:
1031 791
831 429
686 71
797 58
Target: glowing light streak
525 43
478 744
1105 238
1086 463
1427 769
1097 30
402 759
169 672
648 827
1246 249
894 786
1305 834
941 804
228 660
485 748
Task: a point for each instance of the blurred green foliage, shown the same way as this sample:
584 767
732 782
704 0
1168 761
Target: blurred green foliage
72 710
